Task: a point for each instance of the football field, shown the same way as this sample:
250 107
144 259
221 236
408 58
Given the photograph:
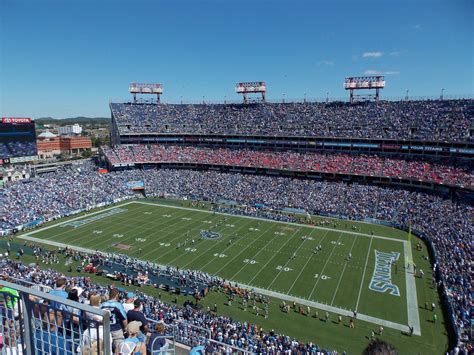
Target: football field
338 266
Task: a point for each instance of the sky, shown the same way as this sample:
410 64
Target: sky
70 58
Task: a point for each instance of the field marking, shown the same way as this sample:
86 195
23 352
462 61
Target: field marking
73 219
279 272
177 220
217 244
324 267
326 307
237 255
281 222
413 315
111 226
412 300
269 260
342 273
306 264
363 275
282 296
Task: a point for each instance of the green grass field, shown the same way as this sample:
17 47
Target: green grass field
259 253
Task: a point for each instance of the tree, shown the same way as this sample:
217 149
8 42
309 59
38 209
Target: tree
86 154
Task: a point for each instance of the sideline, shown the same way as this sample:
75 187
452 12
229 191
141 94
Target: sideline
412 299
282 296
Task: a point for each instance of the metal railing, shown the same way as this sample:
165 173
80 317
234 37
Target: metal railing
161 344
34 322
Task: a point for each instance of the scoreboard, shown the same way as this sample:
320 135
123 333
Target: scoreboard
17 140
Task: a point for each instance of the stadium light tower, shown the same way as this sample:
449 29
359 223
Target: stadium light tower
140 88
258 87
406 94
364 83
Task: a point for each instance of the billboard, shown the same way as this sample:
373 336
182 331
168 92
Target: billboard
136 185
17 138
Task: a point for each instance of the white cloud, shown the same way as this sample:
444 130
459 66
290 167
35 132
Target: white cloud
326 62
372 54
416 27
397 53
372 72
379 72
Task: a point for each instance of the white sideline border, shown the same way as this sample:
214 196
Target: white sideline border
412 299
412 302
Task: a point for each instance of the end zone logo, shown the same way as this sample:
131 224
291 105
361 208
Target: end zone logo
382 277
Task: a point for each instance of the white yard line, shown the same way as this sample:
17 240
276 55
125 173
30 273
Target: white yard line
164 236
221 252
269 260
324 267
282 296
75 219
325 307
299 247
244 249
304 266
363 275
280 222
412 300
342 273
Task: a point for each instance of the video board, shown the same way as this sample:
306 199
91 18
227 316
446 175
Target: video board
17 139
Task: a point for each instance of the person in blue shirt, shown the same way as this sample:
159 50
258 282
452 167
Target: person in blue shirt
59 291
197 350
132 345
118 317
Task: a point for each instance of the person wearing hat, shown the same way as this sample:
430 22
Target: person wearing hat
136 315
132 345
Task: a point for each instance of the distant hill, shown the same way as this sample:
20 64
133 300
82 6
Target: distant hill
67 121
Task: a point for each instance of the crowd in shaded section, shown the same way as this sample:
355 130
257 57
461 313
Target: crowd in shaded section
446 223
450 120
371 165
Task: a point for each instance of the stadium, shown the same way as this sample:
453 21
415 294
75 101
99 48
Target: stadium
249 225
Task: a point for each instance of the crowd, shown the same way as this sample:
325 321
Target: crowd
446 223
187 319
450 120
315 162
17 148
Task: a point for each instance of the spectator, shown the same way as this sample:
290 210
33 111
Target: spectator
136 315
133 345
157 341
118 317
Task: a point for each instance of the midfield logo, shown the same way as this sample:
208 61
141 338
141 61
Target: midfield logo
382 277
206 234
